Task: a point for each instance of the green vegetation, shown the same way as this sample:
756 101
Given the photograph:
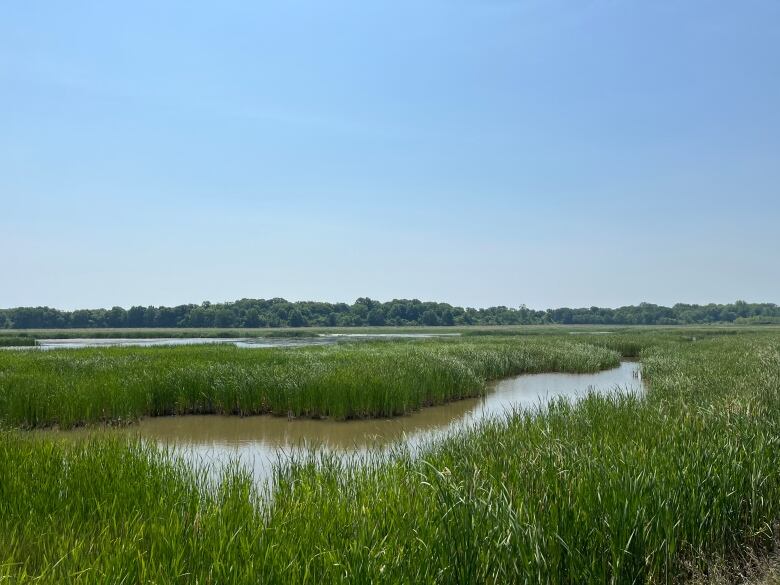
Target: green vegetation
615 488
365 312
17 341
115 385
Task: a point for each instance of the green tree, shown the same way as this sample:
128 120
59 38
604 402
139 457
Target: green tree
376 317
296 319
252 318
223 318
116 317
430 318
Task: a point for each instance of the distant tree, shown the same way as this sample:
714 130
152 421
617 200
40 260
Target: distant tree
199 317
376 317
116 317
252 318
296 319
150 317
359 313
223 318
430 318
81 318
278 312
367 303
136 316
165 317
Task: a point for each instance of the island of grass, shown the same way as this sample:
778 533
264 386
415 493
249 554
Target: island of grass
113 385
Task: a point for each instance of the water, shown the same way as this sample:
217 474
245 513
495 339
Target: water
259 441
259 342
247 342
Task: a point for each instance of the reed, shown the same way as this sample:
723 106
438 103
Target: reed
17 341
72 387
613 489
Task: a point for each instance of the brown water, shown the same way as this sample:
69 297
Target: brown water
258 441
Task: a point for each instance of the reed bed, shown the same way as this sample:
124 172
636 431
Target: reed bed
613 489
72 387
17 341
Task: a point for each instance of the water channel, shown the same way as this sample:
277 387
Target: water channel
259 441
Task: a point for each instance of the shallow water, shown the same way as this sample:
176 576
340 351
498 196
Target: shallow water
247 342
259 441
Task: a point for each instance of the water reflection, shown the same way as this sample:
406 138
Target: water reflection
246 342
258 441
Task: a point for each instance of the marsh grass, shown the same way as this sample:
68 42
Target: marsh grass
17 341
615 488
118 385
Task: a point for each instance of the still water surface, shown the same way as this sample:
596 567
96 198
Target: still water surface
247 342
259 441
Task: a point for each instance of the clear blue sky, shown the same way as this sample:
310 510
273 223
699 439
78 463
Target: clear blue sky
477 152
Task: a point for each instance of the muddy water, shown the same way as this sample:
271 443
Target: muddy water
259 441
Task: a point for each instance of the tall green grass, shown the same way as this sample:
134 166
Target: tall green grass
612 489
17 341
116 385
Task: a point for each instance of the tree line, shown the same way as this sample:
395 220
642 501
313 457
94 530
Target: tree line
367 312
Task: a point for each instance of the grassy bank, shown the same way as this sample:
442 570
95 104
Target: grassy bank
617 489
17 341
73 387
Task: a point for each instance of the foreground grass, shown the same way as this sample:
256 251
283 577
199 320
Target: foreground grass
73 387
617 489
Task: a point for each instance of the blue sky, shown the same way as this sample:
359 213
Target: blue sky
481 153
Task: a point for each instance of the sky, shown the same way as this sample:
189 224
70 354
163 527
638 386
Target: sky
481 153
